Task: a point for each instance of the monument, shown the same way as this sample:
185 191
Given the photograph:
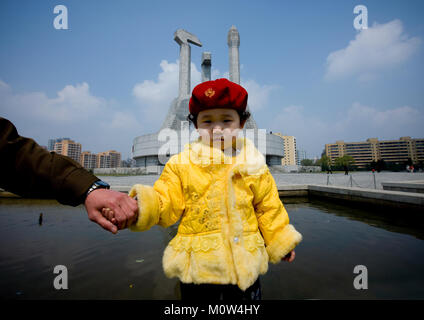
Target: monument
146 148
206 66
233 41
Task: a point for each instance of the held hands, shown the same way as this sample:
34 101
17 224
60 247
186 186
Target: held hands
124 209
109 214
289 257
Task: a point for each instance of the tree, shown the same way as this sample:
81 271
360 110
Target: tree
324 162
380 165
346 160
307 162
127 163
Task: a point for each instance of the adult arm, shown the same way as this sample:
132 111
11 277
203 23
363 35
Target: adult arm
31 171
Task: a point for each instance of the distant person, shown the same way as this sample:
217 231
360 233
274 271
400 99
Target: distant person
232 219
346 169
29 170
329 170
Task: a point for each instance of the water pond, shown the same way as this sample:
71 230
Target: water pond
128 265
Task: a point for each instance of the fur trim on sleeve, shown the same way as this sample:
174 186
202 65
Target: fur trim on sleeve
282 243
148 207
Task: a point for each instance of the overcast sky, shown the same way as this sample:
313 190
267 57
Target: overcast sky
111 76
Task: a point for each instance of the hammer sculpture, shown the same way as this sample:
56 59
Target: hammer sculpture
183 38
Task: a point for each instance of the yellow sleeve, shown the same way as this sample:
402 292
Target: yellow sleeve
161 204
280 236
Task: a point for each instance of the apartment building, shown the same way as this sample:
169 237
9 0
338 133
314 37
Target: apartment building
109 159
364 152
68 148
72 149
52 142
290 151
88 160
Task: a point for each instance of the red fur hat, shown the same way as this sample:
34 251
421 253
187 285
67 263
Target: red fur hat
219 93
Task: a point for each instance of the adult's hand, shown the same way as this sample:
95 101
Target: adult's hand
124 207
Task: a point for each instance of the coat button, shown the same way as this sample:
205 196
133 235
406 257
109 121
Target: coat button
236 239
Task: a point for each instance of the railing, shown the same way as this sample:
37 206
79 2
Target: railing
352 183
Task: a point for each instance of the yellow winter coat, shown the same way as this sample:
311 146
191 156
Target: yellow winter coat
232 219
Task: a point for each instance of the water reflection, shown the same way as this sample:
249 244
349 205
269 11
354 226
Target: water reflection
391 219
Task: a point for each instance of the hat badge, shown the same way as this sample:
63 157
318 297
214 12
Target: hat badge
209 92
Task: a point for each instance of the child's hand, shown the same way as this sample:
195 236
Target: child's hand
289 257
110 215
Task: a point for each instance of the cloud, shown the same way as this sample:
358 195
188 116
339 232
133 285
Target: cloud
72 103
259 95
357 123
98 124
155 96
166 88
373 50
123 121
389 123
4 87
311 132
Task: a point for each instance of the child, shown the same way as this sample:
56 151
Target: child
232 219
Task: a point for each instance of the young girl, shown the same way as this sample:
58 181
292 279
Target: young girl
232 219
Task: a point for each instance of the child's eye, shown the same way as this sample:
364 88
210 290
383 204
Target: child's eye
228 120
206 121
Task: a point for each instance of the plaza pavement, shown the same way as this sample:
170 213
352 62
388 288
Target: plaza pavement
356 179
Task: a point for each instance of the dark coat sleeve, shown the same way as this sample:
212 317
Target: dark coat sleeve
29 170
